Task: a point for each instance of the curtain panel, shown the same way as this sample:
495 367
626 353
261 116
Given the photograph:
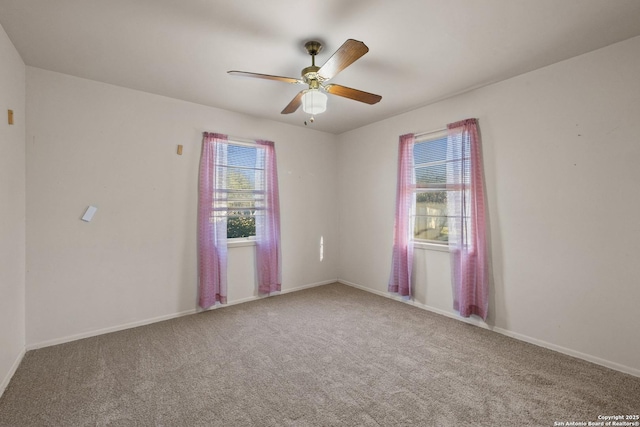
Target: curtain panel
402 261
467 220
212 228
268 253
213 210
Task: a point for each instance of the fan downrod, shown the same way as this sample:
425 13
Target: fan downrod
310 73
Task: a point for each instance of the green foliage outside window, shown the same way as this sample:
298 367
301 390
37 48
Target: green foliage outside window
435 197
240 223
241 226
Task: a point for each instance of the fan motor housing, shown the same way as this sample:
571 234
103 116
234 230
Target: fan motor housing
310 74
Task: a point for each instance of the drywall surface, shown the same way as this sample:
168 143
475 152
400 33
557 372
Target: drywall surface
561 151
12 210
90 143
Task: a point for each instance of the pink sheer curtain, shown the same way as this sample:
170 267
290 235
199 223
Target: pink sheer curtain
402 264
268 258
212 228
467 220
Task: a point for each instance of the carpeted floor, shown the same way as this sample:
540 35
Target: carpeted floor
326 356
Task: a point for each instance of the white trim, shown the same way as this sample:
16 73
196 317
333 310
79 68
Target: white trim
124 326
424 245
471 320
110 329
520 337
258 297
241 241
432 134
310 285
12 371
246 142
569 352
243 142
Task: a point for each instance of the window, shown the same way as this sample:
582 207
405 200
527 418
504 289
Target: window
240 195
237 197
433 169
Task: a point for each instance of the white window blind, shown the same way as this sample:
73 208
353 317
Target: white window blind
437 160
239 194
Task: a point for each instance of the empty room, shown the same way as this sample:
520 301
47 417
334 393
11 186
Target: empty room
338 213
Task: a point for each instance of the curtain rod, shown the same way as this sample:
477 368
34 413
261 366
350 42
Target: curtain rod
430 132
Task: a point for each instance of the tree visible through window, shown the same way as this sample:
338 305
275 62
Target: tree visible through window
241 170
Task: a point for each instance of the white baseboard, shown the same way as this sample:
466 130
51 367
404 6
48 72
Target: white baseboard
110 329
124 326
310 285
14 368
473 321
258 297
569 352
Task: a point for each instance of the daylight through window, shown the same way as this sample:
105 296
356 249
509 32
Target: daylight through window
240 195
434 165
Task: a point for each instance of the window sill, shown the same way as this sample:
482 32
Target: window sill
430 246
240 242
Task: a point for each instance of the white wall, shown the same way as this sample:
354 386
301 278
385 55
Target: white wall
560 148
561 153
12 210
94 144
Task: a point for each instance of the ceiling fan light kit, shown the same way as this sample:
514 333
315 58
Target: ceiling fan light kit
314 99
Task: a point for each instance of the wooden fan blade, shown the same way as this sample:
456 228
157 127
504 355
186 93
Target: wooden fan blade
294 104
265 76
347 54
355 94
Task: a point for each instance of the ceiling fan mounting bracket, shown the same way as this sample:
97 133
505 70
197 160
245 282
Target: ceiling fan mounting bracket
313 47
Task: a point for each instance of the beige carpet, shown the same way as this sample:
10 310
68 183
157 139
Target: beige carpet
327 356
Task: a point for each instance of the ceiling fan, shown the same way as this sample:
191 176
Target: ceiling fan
314 99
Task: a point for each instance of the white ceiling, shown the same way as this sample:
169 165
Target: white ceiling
420 51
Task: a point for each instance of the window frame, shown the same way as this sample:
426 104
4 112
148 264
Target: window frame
247 240
438 245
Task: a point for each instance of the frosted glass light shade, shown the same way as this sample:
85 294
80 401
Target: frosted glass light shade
314 102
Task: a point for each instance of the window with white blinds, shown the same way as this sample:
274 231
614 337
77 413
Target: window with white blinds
437 160
239 194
